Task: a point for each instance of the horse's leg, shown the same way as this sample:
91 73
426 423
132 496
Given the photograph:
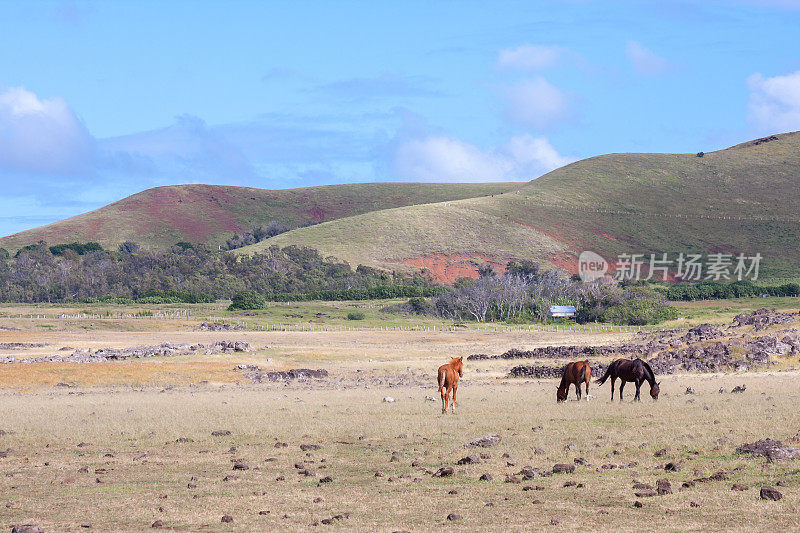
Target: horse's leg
443 390
587 390
638 388
613 379
455 388
621 386
578 389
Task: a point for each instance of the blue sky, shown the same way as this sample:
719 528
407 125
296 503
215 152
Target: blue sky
99 100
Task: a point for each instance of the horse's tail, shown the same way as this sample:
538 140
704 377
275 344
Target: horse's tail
651 378
442 376
587 372
607 374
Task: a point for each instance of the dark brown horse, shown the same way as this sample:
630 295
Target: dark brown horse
574 373
448 381
634 370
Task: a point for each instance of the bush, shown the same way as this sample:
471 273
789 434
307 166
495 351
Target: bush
640 312
247 300
355 315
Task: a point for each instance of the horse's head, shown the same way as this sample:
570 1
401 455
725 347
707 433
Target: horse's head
458 365
561 394
654 390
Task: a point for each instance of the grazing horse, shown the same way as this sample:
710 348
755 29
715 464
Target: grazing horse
574 373
634 370
448 381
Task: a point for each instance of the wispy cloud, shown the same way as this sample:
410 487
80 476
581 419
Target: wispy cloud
444 158
528 57
645 61
774 104
536 103
41 136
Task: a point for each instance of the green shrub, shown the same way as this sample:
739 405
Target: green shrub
247 300
355 315
640 312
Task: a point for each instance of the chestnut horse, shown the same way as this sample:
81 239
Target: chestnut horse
634 370
574 373
448 381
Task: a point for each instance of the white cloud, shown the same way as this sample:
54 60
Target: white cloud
644 60
41 136
535 103
775 102
442 158
528 57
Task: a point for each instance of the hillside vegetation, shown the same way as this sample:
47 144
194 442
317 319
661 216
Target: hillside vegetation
742 199
209 214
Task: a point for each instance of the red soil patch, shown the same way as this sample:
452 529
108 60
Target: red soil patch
448 268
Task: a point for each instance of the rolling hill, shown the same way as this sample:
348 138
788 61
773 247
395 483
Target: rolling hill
743 199
209 214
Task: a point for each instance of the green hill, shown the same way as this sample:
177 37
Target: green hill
209 214
743 199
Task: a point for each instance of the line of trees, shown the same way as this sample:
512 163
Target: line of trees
715 291
38 275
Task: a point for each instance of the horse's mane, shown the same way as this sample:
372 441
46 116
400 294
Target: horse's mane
651 377
455 361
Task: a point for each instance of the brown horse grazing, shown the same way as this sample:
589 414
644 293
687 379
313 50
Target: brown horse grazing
634 370
574 373
448 381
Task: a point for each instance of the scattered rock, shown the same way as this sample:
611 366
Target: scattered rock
445 471
690 390
563 468
469 460
770 493
485 441
663 487
673 467
771 449
310 447
226 518
645 493
486 477
157 524
388 399
452 517
637 504
739 487
26 528
220 433
738 389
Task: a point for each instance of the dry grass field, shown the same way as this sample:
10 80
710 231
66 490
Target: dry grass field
122 445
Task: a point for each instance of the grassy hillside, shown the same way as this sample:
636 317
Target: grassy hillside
741 199
209 214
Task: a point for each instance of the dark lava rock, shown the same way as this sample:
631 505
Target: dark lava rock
326 479
310 447
445 471
26 528
739 487
486 477
227 518
513 479
645 493
469 460
673 467
452 517
157 524
637 504
663 487
770 493
771 449
239 465
220 433
563 468
739 389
